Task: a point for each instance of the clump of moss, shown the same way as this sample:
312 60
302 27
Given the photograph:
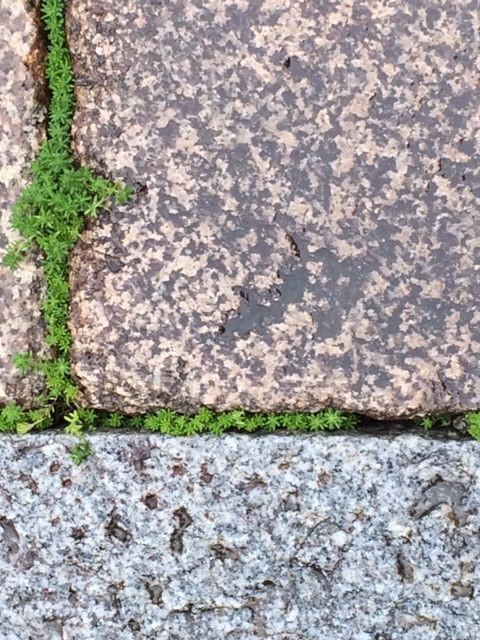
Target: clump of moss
207 421
434 422
14 419
50 213
473 422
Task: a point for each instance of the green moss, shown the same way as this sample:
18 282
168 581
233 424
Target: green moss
473 422
14 419
50 215
434 422
206 421
81 452
51 212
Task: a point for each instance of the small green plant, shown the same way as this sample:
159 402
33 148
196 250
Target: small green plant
206 421
50 214
473 422
431 422
14 419
81 452
36 419
51 211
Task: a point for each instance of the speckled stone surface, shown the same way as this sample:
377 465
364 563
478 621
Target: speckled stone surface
278 537
306 229
21 131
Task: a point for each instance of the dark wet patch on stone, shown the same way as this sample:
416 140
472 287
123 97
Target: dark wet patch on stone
151 501
116 530
442 493
183 521
10 537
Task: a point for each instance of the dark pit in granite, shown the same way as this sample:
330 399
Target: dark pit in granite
305 230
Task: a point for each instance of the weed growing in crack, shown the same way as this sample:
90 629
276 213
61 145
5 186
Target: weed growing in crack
431 422
170 422
51 211
14 419
50 214
81 452
473 422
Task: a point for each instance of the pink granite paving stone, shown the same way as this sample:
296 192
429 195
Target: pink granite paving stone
22 129
305 230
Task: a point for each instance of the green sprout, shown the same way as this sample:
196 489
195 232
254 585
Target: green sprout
473 422
81 452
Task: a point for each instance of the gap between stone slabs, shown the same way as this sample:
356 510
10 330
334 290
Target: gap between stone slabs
78 193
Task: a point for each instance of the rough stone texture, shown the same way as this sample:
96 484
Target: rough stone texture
279 537
306 227
21 131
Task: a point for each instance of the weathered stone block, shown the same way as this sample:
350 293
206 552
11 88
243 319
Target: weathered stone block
306 230
278 537
21 132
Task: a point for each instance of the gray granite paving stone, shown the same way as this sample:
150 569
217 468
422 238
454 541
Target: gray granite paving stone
21 131
306 229
278 537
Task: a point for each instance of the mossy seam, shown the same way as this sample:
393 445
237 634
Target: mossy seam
50 215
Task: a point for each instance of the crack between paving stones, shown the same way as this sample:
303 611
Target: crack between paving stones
35 62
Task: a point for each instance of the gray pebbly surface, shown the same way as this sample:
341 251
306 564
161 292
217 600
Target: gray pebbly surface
239 537
305 231
21 132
